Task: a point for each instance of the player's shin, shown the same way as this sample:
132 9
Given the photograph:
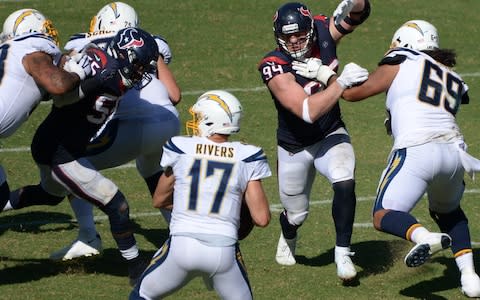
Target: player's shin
343 211
455 224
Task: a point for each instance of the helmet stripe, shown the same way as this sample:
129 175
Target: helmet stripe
21 18
113 5
222 103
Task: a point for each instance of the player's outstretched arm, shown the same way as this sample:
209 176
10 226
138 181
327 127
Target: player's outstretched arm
378 81
53 79
166 76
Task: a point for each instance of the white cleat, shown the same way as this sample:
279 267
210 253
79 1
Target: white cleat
421 252
470 284
78 249
286 251
345 268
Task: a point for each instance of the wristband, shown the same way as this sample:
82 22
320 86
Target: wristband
305 112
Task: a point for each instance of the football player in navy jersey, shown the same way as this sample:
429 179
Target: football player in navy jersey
60 143
311 135
144 120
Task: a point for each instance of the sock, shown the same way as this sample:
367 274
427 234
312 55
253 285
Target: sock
289 231
343 211
130 253
465 263
418 234
83 211
398 223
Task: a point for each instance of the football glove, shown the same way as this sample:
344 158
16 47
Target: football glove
352 75
314 69
164 50
342 11
78 64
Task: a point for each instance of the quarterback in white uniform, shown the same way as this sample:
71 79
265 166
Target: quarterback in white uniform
29 73
209 178
144 120
429 154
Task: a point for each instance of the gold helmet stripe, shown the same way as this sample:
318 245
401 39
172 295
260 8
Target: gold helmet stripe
414 26
222 103
113 5
20 19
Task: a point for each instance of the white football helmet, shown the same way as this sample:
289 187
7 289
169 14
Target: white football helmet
215 112
26 21
113 17
416 34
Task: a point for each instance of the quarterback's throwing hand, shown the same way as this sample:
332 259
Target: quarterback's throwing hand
352 74
314 69
342 10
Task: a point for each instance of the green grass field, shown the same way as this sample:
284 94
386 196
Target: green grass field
217 45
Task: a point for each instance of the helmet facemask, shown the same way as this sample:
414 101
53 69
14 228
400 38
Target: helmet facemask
306 39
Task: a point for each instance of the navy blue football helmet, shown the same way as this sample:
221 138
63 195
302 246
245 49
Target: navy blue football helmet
137 53
294 18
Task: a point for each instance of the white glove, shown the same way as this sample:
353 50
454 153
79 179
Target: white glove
78 64
314 69
352 74
342 10
164 50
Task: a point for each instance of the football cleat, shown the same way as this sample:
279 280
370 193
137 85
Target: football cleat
286 251
78 249
136 267
470 284
421 252
345 268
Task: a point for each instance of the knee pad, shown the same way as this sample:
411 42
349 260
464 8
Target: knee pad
85 182
297 218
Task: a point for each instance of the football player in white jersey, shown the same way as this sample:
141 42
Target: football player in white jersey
429 154
145 119
208 177
29 72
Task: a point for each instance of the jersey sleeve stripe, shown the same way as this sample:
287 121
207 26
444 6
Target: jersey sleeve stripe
260 155
172 147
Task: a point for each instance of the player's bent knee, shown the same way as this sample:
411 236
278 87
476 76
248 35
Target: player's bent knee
447 221
296 218
377 218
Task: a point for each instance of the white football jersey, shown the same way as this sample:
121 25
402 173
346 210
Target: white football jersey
19 94
423 100
210 181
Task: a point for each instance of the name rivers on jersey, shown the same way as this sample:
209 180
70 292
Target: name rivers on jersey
215 150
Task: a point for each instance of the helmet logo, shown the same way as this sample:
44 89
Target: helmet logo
130 38
305 12
414 26
220 102
21 18
113 6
